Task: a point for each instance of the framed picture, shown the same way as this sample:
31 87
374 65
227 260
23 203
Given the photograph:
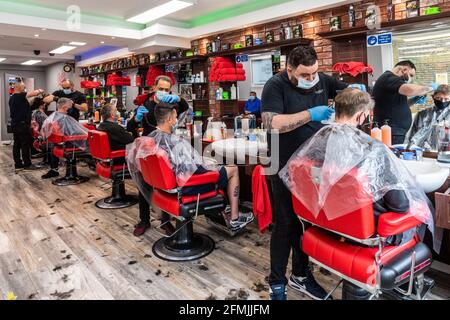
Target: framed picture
412 8
113 102
186 91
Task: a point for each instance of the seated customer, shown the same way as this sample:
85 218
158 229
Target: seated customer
424 133
186 161
253 105
60 123
338 149
117 135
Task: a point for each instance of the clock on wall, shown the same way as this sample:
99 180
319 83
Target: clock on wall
67 68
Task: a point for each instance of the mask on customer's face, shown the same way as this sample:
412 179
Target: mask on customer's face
306 85
161 94
252 98
360 125
67 91
440 104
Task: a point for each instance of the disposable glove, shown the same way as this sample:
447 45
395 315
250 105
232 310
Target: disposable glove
141 111
171 98
320 113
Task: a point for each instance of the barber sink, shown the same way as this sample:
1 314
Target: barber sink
429 175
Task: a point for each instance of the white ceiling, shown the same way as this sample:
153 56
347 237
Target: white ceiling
19 28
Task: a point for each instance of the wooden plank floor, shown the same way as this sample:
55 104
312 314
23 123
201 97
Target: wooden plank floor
55 244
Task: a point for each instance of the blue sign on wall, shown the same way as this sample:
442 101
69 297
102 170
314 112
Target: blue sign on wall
379 39
241 58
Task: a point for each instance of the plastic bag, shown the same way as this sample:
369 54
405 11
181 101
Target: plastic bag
62 125
341 169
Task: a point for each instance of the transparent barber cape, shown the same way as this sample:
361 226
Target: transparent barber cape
61 124
335 151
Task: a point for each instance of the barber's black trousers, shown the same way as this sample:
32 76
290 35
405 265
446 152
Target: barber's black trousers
144 211
22 148
286 234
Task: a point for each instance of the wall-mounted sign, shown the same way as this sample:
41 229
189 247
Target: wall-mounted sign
379 39
241 58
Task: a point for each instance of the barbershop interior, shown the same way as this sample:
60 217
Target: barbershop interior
225 150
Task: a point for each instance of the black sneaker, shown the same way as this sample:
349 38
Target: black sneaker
308 285
51 174
278 292
18 167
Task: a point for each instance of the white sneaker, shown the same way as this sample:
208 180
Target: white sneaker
241 222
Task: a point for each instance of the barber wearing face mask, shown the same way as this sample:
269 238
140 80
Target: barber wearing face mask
294 102
146 115
391 92
68 91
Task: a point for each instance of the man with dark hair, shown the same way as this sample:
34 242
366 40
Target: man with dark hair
391 92
145 118
253 104
117 135
424 132
182 155
67 91
294 102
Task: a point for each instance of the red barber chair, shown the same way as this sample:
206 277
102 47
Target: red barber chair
64 149
106 168
353 246
183 244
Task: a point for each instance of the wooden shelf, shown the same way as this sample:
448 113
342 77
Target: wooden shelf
179 60
263 47
395 24
110 71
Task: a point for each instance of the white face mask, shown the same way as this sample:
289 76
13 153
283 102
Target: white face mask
161 94
305 84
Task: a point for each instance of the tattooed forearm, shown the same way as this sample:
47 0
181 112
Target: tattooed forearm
285 122
293 126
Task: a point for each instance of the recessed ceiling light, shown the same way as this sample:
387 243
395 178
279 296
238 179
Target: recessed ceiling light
160 11
102 42
113 38
43 29
36 35
75 43
2 59
62 49
30 62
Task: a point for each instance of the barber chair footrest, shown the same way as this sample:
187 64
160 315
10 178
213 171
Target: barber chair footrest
200 246
116 203
69 181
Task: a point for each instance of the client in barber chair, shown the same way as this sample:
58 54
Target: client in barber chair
59 122
186 161
424 133
341 147
117 135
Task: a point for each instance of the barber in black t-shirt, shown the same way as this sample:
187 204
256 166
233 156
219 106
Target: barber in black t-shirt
391 103
68 91
294 102
20 112
146 115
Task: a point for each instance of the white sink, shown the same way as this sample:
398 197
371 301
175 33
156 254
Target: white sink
238 147
429 175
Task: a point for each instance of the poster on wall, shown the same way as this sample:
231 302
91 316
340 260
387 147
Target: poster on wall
261 70
442 78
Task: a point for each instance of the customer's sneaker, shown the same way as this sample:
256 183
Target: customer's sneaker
51 174
140 228
243 220
18 167
308 285
30 168
278 292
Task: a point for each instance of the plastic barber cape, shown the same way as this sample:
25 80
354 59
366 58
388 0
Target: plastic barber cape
426 127
337 150
60 124
184 159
